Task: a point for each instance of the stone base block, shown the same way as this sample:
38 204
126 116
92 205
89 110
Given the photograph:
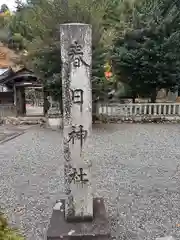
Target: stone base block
166 238
55 122
98 228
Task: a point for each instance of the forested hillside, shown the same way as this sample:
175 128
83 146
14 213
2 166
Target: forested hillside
139 38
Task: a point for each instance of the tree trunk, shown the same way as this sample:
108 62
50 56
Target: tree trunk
61 106
133 97
61 111
167 91
45 105
94 109
153 95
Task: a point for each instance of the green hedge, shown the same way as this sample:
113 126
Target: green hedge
7 233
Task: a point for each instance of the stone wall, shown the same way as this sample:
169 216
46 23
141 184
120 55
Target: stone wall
7 110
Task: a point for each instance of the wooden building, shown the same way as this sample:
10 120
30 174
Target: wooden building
12 88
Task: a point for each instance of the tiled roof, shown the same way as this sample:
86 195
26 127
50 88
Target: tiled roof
4 73
3 70
10 77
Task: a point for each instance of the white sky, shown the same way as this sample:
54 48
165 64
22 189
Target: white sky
10 3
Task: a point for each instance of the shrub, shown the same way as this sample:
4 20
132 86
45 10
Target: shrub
17 41
7 233
3 36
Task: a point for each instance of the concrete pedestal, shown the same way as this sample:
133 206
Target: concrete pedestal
60 229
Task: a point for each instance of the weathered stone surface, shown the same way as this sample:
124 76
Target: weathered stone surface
60 229
76 57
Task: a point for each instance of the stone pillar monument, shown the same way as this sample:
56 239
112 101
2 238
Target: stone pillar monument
77 118
79 215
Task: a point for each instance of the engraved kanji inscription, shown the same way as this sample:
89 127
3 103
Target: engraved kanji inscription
79 134
79 177
75 54
77 97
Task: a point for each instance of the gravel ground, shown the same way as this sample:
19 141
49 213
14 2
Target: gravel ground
136 170
8 132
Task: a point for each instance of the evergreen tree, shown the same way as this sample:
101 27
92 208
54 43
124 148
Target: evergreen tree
43 19
148 57
4 8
